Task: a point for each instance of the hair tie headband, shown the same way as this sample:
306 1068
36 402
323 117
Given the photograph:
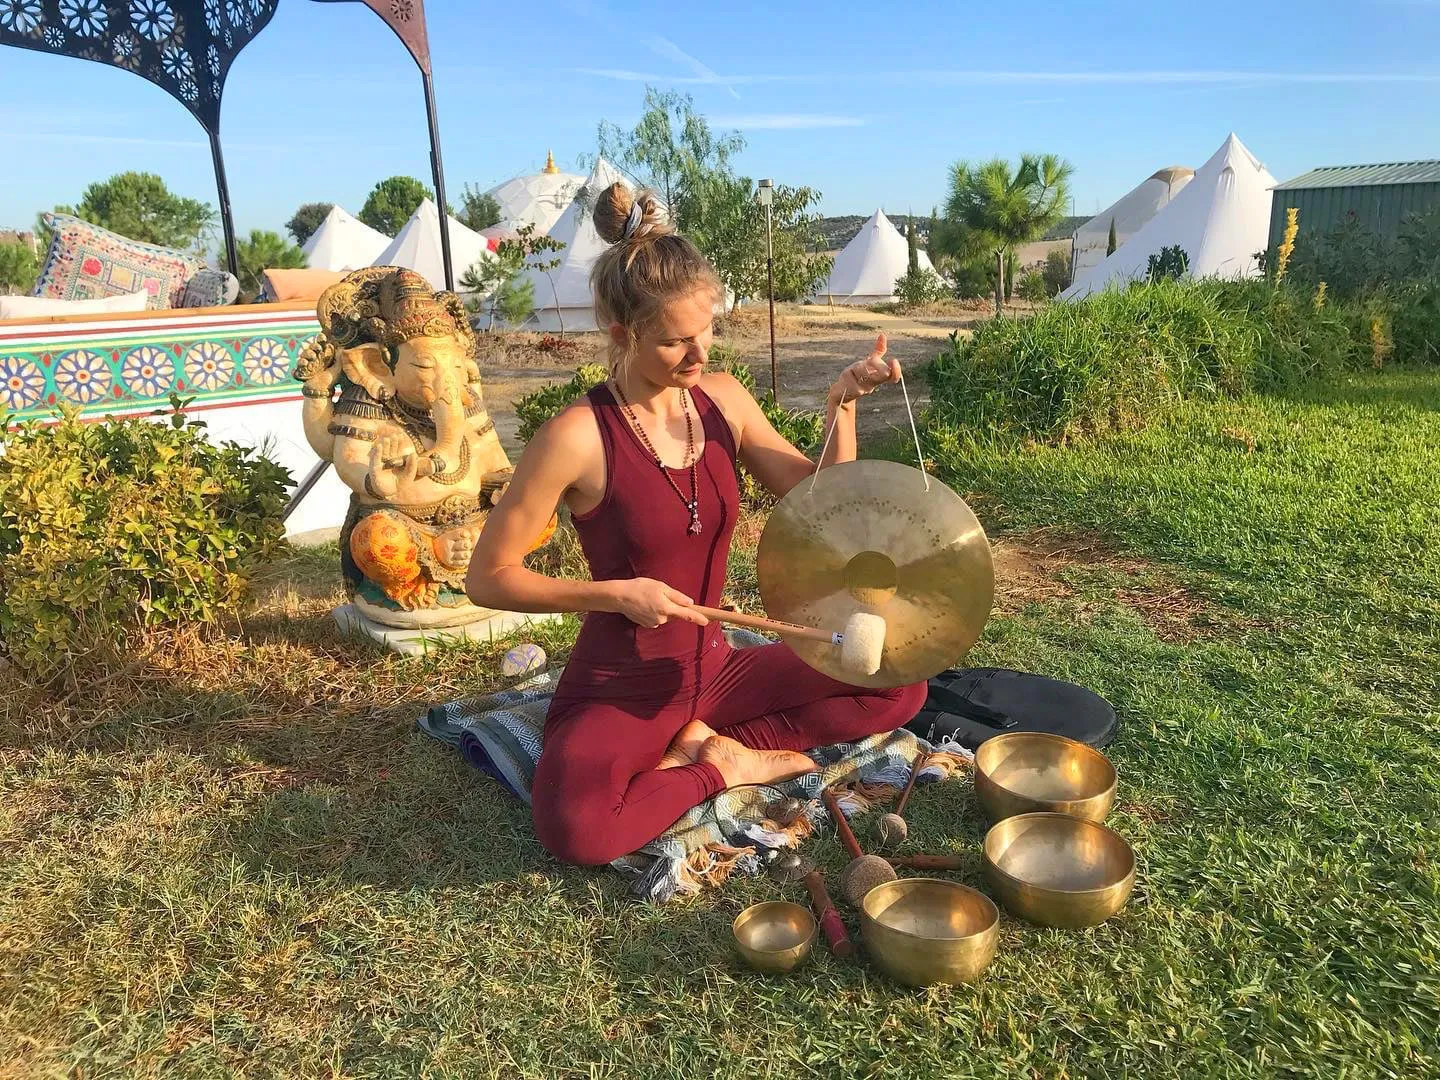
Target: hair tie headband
633 222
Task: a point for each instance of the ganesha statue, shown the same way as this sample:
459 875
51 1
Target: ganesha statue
392 398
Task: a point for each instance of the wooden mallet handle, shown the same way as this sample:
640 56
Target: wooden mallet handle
927 862
915 768
830 922
756 622
841 825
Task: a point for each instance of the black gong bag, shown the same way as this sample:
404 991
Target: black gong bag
969 705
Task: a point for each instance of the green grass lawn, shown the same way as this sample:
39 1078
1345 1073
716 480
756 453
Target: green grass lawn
238 857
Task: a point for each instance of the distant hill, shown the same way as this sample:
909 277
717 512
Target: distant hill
836 232
1065 228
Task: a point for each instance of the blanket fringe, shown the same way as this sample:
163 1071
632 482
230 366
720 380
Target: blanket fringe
859 796
712 865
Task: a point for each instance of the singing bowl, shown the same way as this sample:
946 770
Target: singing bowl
923 931
1057 870
774 937
1026 772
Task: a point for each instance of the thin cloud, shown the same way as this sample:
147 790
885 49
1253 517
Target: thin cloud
1074 78
667 48
700 73
786 121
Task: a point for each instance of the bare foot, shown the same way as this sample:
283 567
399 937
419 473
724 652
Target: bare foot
740 765
685 747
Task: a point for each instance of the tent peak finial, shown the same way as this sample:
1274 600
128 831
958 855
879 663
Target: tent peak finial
550 162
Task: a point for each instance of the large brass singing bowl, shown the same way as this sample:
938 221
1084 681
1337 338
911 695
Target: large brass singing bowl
923 931
774 937
1026 772
884 539
1057 870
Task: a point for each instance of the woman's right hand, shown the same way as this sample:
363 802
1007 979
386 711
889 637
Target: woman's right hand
650 603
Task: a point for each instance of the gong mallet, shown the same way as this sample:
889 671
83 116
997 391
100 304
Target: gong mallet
861 642
864 871
891 830
830 921
789 868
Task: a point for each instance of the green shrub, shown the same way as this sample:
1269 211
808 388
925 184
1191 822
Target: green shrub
1415 323
1171 262
18 268
534 409
1056 272
919 286
1032 286
1121 357
109 528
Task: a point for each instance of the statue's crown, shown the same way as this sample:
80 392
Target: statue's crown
411 309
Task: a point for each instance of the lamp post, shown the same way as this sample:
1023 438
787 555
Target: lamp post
767 196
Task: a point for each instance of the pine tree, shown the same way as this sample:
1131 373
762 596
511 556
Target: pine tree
1111 245
912 246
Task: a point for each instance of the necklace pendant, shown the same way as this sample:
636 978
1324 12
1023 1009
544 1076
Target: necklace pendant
694 529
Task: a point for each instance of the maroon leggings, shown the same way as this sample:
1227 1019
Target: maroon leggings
597 794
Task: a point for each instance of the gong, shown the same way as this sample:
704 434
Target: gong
886 539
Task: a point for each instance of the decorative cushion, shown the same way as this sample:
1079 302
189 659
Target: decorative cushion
300 284
29 307
86 261
211 288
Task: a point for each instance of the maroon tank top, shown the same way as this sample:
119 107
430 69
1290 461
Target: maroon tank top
640 529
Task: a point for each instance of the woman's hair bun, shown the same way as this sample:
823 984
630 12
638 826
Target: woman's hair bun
613 209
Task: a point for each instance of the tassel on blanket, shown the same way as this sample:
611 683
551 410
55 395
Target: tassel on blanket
713 864
859 796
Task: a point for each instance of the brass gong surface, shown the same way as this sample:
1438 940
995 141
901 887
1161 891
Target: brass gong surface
870 537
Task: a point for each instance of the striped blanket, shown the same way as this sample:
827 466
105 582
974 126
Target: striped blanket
501 734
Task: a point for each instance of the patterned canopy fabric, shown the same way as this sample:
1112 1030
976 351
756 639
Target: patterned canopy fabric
185 47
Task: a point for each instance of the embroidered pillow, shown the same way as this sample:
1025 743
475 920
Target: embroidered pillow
86 262
211 288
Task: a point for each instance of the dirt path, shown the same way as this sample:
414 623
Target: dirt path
812 344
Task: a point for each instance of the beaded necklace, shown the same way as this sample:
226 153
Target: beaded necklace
693 502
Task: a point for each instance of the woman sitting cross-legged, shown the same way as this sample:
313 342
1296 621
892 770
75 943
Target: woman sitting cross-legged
655 712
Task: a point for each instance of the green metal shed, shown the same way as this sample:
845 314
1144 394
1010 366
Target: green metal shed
1380 196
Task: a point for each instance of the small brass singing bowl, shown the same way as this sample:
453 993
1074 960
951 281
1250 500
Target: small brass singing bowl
1027 772
923 931
774 937
1057 870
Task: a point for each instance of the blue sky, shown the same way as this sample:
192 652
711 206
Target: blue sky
868 104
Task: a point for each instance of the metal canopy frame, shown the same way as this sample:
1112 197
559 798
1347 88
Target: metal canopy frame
186 47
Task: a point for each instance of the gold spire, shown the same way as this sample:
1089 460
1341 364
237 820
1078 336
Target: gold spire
550 163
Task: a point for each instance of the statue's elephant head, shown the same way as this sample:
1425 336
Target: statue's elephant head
395 337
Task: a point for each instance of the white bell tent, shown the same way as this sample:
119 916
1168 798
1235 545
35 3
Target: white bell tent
343 242
867 268
417 246
1129 215
1220 220
538 199
563 300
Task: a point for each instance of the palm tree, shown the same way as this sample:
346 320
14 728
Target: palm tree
993 204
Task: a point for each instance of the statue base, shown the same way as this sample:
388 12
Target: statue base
418 641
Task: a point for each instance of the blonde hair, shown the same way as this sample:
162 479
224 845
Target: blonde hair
640 273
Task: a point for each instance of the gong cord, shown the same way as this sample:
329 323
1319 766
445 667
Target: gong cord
914 431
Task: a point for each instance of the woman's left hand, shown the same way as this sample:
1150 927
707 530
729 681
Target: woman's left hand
864 376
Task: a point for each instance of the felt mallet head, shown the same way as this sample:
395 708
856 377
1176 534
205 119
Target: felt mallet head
891 831
862 643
